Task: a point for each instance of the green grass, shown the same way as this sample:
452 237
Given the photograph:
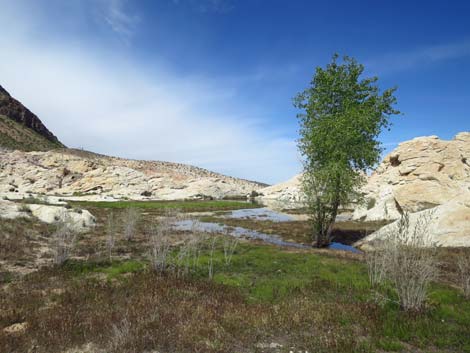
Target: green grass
188 206
112 269
268 275
17 136
309 300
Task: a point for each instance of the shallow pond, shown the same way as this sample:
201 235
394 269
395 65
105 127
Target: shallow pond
260 214
240 232
267 214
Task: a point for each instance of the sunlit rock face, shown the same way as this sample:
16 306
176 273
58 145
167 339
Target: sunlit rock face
449 225
283 195
78 219
425 173
84 175
419 174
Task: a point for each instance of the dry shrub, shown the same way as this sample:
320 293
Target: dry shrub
210 264
376 266
463 265
230 245
110 235
63 240
149 313
121 335
159 234
407 258
184 259
131 217
162 258
17 238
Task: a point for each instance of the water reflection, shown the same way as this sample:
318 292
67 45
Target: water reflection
240 232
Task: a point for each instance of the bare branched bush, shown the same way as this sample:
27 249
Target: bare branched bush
110 235
409 260
160 248
120 335
186 259
376 266
63 240
181 261
463 264
159 235
210 263
230 245
131 217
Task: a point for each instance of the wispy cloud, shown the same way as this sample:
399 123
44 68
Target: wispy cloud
420 57
119 18
216 6
91 99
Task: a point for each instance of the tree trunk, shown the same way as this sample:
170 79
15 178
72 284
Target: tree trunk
334 211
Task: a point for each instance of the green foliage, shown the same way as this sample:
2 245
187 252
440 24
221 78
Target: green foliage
341 120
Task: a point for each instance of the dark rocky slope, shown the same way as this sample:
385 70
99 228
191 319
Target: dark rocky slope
19 127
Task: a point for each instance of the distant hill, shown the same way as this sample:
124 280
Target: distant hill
21 129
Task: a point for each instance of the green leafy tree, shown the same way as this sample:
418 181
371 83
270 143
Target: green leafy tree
341 119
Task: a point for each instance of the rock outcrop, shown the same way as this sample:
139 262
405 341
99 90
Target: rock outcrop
449 225
283 195
84 175
14 110
419 174
78 219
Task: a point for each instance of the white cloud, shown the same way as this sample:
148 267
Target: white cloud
420 57
90 99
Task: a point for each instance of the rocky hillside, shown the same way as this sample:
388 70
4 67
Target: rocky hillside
85 175
21 129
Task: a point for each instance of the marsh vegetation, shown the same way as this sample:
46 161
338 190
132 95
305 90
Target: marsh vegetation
174 290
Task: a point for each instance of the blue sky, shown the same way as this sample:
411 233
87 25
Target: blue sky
210 82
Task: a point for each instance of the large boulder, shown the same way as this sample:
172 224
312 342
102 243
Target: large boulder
77 219
449 225
419 174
